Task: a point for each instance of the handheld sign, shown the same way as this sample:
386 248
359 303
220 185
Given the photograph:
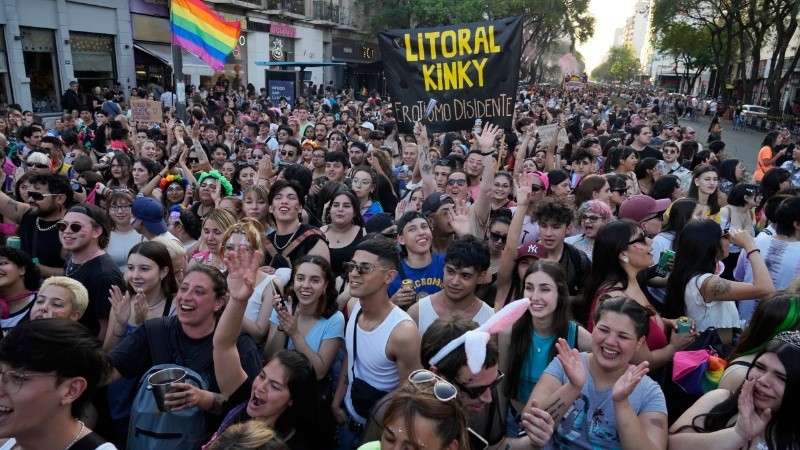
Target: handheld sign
147 111
471 70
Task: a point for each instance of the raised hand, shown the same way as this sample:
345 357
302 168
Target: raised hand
400 209
120 304
459 219
573 366
488 136
139 307
242 271
421 134
524 190
628 381
748 421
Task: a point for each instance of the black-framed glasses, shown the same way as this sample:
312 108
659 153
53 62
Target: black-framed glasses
642 239
38 196
475 392
588 218
13 380
74 226
117 208
659 216
442 389
459 182
497 237
362 269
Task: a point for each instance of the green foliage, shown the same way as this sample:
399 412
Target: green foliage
621 64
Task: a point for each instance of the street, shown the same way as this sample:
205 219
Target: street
743 145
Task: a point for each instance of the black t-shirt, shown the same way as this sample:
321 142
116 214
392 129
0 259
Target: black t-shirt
283 241
98 275
44 245
649 152
576 273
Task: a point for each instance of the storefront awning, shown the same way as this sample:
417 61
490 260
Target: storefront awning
301 64
192 65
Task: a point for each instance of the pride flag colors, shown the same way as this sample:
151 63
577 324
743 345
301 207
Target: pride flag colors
202 32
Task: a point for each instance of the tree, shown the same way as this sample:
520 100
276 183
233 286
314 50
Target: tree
688 45
621 64
780 68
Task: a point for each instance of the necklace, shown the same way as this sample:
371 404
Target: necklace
275 240
465 311
73 267
156 305
338 236
39 227
77 436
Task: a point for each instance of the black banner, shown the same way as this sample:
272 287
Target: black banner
471 70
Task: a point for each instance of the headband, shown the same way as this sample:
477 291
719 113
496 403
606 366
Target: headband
475 340
227 189
543 178
790 337
173 178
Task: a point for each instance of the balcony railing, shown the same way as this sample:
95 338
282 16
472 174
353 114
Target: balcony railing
290 6
326 11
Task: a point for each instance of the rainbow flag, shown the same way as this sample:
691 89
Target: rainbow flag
199 30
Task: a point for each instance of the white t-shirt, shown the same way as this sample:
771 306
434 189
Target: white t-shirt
719 313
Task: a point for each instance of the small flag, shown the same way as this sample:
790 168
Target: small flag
202 32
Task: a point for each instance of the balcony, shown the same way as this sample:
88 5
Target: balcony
292 7
348 18
248 4
325 13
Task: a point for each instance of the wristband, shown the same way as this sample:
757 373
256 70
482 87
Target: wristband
740 433
753 251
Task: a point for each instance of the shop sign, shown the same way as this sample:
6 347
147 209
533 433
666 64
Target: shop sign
280 29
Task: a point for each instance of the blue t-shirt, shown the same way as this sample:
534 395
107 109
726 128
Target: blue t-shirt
590 423
427 280
330 328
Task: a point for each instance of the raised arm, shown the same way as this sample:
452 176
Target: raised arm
551 162
509 254
242 269
555 397
424 165
12 209
528 135
485 143
715 288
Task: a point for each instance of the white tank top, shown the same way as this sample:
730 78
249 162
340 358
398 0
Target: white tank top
372 365
427 315
254 302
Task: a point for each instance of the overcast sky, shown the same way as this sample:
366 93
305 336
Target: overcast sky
609 15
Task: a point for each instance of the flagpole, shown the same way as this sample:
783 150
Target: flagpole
177 79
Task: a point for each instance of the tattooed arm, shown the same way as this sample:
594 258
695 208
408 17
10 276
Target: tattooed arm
424 164
715 288
12 209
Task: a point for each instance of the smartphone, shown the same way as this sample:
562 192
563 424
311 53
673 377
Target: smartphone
283 304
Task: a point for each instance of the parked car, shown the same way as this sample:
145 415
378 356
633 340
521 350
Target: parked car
754 111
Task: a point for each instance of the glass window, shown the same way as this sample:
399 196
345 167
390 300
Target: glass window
41 67
93 59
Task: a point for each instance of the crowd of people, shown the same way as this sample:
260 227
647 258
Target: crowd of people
323 281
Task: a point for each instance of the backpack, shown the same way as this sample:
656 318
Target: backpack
151 429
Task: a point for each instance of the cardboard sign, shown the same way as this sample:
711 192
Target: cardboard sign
471 70
147 111
546 134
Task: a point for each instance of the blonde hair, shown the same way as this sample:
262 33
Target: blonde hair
37 158
78 292
250 435
252 230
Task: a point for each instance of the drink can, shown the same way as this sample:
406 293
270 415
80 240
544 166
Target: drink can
13 242
663 262
408 284
684 324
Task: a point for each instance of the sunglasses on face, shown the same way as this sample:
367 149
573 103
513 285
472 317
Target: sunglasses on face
38 196
39 165
475 392
288 154
659 216
497 237
642 239
536 187
442 389
74 227
362 269
457 182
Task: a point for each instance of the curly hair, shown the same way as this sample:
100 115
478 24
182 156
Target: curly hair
552 209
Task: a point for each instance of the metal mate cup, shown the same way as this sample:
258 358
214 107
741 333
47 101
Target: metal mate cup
160 383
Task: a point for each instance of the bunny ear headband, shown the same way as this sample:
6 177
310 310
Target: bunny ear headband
475 340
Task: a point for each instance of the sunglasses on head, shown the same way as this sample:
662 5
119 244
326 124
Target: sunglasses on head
642 239
74 227
38 196
475 392
442 389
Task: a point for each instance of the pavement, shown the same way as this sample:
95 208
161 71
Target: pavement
742 145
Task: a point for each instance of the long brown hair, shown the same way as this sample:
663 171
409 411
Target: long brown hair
521 332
